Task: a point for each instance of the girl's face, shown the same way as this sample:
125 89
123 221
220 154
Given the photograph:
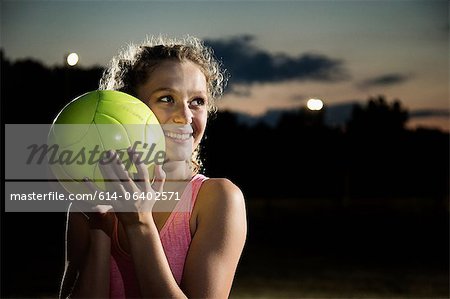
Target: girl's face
177 94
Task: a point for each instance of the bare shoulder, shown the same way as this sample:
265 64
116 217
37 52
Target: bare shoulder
221 186
220 191
218 198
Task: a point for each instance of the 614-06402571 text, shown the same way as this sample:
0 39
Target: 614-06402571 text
101 196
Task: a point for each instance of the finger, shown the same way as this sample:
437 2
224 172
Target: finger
105 166
160 179
142 177
112 181
122 174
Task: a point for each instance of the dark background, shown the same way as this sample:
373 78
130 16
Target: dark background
359 210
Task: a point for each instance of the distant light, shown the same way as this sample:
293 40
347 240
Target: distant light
72 59
314 104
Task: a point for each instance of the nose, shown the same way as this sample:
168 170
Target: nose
183 115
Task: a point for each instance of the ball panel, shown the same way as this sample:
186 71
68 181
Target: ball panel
79 111
67 182
65 135
116 96
112 133
123 107
79 159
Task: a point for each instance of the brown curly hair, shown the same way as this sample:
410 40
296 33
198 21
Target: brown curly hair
134 64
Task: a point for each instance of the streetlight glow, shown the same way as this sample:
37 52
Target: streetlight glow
72 59
314 104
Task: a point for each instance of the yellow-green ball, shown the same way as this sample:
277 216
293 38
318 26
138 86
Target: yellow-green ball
98 121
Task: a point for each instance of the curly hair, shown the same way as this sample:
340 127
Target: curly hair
135 63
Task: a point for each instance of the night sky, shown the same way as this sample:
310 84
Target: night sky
342 52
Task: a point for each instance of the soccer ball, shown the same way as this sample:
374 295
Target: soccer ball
98 121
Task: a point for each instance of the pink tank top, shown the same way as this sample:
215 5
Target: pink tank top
175 238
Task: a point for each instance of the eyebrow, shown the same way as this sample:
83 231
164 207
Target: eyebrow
164 89
161 89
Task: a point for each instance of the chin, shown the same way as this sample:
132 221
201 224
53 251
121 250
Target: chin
179 154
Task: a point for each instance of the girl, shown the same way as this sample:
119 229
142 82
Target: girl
192 248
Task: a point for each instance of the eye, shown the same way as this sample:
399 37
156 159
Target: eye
198 102
166 99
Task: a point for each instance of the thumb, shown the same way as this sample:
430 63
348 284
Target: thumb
160 178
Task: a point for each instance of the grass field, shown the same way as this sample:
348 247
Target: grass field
396 248
298 248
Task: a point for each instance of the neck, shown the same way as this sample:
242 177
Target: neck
177 170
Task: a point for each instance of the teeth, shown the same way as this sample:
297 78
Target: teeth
177 136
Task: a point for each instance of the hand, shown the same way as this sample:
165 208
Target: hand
135 197
99 217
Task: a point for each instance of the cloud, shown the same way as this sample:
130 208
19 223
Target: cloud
248 64
240 90
299 97
385 80
429 113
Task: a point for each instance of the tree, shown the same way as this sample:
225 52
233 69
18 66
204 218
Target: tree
378 116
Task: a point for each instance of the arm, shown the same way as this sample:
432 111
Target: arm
214 251
156 281
218 241
215 248
86 271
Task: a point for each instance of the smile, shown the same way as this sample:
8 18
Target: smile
178 136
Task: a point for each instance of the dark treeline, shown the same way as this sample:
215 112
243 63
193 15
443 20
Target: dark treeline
34 94
373 155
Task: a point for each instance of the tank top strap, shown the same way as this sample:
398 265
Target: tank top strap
196 183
